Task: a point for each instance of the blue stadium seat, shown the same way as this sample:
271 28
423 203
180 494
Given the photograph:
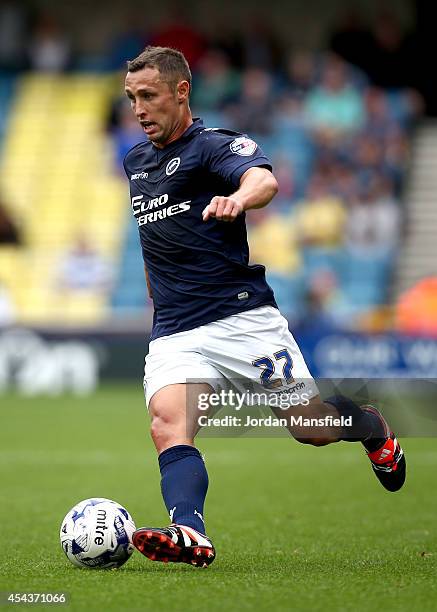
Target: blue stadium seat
130 289
289 292
7 90
364 278
318 258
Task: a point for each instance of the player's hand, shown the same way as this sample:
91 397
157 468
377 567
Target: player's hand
223 208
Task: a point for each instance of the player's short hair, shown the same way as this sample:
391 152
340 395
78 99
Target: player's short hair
171 63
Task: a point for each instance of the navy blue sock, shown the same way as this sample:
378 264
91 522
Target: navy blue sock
184 483
366 427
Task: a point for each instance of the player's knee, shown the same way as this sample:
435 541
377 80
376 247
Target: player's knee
160 430
168 427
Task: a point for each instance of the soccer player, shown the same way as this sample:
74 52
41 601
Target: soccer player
215 316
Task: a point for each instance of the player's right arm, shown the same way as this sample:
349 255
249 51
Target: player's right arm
239 161
257 188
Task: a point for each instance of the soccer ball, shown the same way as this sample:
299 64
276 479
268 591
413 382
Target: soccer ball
97 534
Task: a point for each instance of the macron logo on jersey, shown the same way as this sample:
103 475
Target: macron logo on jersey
139 175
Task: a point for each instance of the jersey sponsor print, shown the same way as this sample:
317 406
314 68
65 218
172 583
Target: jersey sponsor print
199 271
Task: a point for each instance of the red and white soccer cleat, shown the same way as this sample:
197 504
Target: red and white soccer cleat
388 461
176 543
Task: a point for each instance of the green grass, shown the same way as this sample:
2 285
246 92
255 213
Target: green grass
295 527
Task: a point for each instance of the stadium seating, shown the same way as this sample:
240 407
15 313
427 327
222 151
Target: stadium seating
130 288
57 175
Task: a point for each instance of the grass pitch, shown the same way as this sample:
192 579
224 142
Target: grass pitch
295 527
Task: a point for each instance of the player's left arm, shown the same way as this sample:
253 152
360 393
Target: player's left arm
257 187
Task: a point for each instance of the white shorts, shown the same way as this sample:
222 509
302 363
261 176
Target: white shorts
254 347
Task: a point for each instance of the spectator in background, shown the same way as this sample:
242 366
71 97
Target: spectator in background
273 241
126 131
14 26
321 217
343 180
84 269
253 112
373 223
128 42
373 153
260 46
325 307
383 144
292 141
367 154
396 154
379 118
49 48
177 32
284 174
335 106
289 112
407 105
300 73
8 231
216 82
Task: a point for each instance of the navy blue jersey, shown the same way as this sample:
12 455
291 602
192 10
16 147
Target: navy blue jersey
198 271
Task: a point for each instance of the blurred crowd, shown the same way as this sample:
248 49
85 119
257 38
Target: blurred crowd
335 124
32 40
337 135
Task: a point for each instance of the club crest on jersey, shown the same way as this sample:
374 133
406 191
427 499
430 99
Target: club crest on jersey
243 146
172 166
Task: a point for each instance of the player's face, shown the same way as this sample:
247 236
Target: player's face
159 108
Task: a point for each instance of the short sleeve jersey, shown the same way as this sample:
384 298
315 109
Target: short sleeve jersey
199 271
